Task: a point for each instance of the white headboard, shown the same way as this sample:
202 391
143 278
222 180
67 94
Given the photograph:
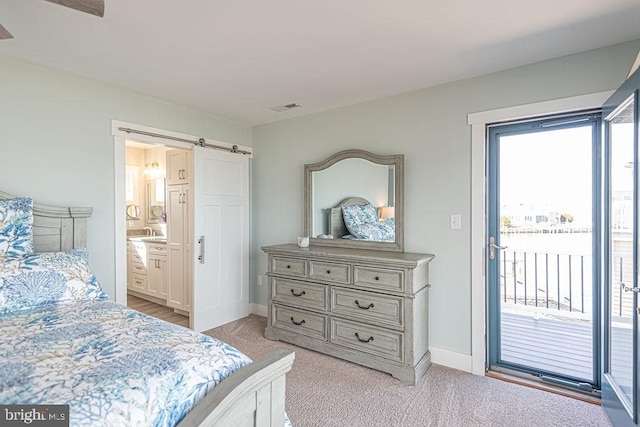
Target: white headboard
57 228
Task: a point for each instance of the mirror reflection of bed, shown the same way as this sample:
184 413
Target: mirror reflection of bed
356 218
355 199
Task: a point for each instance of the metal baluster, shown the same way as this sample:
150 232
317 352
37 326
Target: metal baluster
504 269
524 260
546 261
582 280
570 295
513 271
558 274
535 275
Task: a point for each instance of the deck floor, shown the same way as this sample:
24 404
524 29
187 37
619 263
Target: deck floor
560 346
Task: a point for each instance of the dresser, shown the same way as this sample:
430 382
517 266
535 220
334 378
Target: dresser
365 306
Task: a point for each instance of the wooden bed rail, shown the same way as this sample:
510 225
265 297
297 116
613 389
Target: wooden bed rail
251 396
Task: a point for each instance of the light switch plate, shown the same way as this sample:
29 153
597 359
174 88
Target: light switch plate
456 221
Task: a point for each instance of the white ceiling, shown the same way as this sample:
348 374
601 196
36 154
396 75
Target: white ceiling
239 58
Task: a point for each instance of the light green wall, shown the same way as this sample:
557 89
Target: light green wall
56 144
430 128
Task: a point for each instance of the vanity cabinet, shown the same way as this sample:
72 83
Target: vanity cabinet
147 272
366 306
137 266
157 271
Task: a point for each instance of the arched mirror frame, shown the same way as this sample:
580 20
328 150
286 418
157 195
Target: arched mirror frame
397 160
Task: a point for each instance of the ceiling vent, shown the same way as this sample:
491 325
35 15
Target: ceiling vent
281 108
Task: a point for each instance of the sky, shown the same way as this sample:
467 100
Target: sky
553 170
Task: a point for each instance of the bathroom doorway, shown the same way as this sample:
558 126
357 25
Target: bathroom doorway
147 258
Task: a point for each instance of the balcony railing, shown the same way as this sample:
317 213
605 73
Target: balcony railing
561 282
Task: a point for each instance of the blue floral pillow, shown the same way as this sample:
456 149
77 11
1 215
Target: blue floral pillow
16 227
379 231
47 278
357 215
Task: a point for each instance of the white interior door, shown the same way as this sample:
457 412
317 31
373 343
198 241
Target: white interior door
221 238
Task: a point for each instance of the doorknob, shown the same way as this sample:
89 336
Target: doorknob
493 247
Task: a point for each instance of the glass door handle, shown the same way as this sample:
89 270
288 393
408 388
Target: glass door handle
629 289
493 247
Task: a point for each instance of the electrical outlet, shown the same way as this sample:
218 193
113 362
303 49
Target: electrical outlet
456 221
259 280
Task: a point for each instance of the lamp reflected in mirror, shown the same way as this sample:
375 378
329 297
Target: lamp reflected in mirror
387 212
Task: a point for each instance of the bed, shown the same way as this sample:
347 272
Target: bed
65 343
355 218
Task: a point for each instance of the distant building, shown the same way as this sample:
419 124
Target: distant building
622 210
528 216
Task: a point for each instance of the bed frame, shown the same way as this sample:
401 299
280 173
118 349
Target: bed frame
251 396
337 227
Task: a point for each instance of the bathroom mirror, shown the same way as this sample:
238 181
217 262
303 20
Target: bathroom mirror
155 201
355 199
133 212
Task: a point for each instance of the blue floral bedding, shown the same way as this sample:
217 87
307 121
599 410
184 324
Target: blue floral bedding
114 366
63 342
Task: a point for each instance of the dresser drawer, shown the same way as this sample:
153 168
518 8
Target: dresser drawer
330 272
368 306
309 295
368 339
299 321
378 278
289 266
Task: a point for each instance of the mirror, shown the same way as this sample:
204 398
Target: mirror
155 201
371 186
133 212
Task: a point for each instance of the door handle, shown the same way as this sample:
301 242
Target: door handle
629 289
493 247
201 243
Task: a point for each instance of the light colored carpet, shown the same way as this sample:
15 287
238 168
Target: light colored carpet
324 391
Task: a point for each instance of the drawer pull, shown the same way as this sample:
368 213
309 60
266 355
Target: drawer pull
360 339
328 271
297 323
363 307
376 278
288 266
297 295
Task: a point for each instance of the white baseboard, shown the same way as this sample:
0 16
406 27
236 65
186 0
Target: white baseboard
259 309
451 359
